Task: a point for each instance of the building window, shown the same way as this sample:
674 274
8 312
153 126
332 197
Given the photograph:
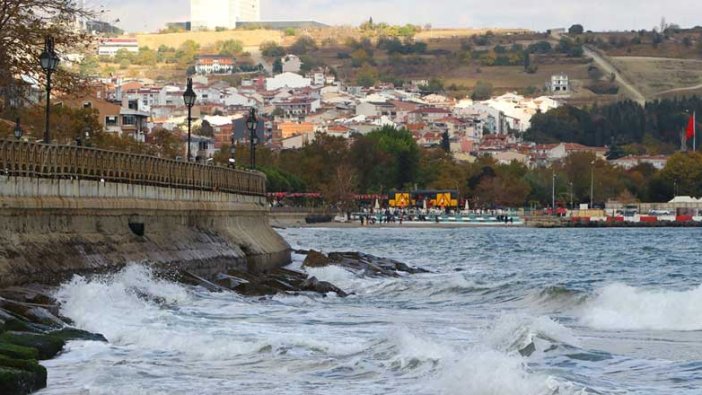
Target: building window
129 120
110 121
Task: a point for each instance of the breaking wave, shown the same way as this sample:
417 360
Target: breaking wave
622 307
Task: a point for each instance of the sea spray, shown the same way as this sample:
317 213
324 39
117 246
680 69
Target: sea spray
622 307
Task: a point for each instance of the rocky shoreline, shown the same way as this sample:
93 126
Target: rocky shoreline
32 328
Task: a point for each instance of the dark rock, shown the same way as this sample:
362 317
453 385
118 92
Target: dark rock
528 350
254 289
323 287
190 278
372 265
47 345
22 383
34 313
18 352
67 334
17 382
316 259
34 293
229 281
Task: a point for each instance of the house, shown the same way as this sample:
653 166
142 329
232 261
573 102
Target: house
297 106
554 152
110 46
287 80
113 117
629 162
201 147
291 64
560 84
298 141
376 109
215 64
289 129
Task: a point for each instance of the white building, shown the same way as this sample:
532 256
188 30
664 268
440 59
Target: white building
110 46
211 14
291 64
560 84
287 80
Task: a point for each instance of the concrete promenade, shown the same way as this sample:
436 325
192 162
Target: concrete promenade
54 227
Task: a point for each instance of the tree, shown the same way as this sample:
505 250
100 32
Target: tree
576 30
277 66
271 49
24 24
89 67
482 91
167 144
303 45
367 76
230 47
186 53
146 57
445 142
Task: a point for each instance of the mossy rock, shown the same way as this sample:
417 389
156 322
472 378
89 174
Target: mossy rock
47 345
17 381
28 366
67 334
18 352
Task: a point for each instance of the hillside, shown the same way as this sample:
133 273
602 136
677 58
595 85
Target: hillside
459 59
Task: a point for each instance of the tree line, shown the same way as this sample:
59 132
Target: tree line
627 126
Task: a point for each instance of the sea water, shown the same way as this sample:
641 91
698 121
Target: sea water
593 311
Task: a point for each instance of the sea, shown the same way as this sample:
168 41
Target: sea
504 311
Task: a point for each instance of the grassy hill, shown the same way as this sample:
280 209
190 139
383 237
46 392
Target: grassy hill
658 65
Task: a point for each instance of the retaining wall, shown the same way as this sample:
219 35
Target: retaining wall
51 229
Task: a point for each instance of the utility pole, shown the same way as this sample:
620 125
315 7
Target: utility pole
592 184
553 192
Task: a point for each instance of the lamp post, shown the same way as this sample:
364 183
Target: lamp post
553 192
49 63
232 154
592 184
189 98
18 130
251 123
571 195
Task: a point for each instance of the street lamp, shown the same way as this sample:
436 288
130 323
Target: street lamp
232 154
18 130
571 195
49 63
189 98
251 123
553 192
592 184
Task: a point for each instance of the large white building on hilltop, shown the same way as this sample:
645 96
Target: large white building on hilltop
211 14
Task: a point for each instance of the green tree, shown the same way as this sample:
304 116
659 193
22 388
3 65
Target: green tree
367 76
277 66
303 45
482 91
576 30
271 49
146 57
230 47
89 67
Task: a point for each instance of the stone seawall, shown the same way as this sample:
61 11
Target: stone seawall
51 229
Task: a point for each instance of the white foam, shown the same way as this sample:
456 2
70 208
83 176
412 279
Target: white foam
513 332
622 307
490 372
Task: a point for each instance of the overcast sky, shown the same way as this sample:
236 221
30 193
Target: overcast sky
150 15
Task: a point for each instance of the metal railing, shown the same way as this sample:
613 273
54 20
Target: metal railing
24 159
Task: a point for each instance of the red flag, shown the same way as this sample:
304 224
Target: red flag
690 131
